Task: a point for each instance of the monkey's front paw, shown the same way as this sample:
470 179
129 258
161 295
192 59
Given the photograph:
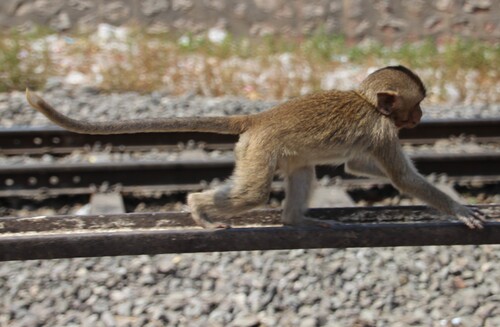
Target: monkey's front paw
471 216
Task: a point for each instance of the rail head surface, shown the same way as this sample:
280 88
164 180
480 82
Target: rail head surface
174 232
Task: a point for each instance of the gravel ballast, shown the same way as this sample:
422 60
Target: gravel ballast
408 286
430 286
87 102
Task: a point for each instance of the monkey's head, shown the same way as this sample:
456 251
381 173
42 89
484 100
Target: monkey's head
396 92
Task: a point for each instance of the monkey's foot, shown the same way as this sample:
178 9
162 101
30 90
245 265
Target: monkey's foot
199 215
203 221
472 217
215 225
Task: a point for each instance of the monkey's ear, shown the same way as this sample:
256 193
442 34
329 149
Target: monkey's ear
386 102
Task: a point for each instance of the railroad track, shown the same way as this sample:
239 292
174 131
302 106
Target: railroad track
151 233
185 175
38 140
173 232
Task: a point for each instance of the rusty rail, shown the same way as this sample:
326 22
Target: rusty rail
184 175
174 232
52 139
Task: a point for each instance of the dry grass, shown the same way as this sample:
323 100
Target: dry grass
20 64
268 68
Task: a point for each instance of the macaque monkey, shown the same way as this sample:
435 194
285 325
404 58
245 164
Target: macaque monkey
357 127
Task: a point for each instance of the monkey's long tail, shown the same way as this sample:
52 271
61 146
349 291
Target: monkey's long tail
221 125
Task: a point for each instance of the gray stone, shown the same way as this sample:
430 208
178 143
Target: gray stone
444 5
246 320
61 22
124 308
260 17
182 5
153 7
116 11
175 301
106 203
82 5
108 319
471 6
308 322
48 7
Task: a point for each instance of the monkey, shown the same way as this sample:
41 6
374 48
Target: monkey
356 127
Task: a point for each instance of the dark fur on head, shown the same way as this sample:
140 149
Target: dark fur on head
411 75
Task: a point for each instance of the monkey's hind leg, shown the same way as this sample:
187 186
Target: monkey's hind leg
298 185
248 188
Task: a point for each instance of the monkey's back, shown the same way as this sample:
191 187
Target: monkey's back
330 118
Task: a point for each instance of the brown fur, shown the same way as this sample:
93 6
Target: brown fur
356 127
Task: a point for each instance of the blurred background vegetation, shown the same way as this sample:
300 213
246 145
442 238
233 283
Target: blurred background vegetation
131 59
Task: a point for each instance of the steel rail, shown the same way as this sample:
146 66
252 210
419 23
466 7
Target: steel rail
185 174
133 234
36 140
